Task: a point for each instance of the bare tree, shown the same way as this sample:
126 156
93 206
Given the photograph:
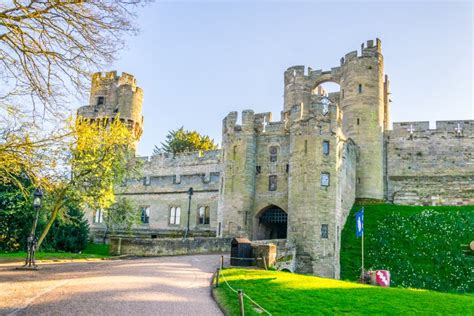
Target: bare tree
48 48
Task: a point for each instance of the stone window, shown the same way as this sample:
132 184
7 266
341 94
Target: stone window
258 169
324 231
305 147
324 179
145 214
287 168
100 101
342 94
360 88
175 215
147 180
273 153
272 183
358 121
326 147
98 216
358 180
203 215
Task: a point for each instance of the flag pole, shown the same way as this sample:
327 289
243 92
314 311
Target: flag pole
362 271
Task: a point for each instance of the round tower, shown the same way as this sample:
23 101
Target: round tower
362 102
113 95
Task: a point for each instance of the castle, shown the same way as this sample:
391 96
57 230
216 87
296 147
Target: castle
297 178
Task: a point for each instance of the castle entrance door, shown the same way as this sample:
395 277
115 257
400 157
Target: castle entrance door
272 224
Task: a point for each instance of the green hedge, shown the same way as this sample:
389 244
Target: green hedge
420 245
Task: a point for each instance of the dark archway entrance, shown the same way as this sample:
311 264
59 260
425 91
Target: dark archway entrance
272 223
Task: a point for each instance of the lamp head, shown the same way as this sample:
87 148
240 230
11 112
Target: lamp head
190 191
37 198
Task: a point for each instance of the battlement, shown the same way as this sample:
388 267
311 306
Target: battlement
309 73
368 49
183 159
441 126
252 122
124 78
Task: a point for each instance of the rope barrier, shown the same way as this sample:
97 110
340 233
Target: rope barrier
259 306
225 280
245 295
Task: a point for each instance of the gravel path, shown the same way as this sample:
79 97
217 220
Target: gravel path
149 286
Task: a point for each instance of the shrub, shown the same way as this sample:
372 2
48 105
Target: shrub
70 233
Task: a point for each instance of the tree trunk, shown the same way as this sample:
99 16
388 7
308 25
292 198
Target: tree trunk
58 204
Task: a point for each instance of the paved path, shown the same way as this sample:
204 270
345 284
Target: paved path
149 286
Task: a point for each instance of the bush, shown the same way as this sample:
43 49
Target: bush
70 233
16 218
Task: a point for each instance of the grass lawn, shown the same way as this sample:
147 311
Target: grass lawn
283 293
420 245
91 251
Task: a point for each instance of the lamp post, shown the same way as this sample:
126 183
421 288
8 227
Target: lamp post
31 241
190 194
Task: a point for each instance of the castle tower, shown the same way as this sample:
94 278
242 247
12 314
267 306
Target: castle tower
237 194
363 103
113 95
363 98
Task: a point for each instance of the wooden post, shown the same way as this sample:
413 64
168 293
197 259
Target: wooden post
222 262
264 263
217 277
241 302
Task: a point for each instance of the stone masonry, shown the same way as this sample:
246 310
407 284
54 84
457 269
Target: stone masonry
296 178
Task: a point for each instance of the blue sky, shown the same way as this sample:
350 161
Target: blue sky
197 61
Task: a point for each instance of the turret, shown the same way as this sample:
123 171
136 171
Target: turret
238 177
363 104
113 95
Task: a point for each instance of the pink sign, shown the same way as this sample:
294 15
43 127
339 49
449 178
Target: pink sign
382 277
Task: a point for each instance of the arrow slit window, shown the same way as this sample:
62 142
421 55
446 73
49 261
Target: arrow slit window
325 147
324 231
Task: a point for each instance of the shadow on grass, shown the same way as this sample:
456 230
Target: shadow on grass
284 298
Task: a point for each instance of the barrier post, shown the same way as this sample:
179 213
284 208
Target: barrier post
217 277
222 262
241 302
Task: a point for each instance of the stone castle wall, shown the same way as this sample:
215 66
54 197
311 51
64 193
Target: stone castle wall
430 166
165 183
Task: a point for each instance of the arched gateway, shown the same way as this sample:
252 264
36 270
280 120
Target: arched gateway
272 223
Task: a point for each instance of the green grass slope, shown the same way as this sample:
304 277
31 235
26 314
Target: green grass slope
282 293
420 245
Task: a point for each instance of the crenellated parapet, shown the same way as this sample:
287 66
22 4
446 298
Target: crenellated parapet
455 128
252 123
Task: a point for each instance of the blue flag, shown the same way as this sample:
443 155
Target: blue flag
360 222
